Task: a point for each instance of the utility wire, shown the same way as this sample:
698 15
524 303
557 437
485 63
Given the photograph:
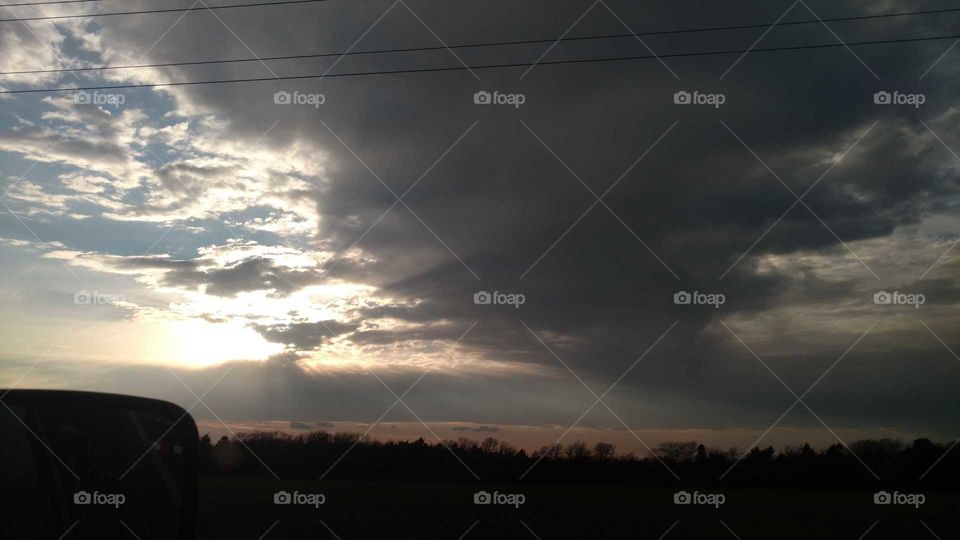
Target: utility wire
49 2
478 67
460 46
287 2
163 10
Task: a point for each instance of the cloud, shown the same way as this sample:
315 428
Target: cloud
299 233
478 429
304 336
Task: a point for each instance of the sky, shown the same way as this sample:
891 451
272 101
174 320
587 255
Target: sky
394 255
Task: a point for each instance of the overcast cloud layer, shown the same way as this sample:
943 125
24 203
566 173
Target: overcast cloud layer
301 259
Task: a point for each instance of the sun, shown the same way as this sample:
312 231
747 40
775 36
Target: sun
198 343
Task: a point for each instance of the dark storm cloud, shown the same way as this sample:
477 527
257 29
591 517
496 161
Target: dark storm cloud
599 285
250 274
304 336
255 273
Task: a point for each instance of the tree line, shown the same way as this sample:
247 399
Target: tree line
921 465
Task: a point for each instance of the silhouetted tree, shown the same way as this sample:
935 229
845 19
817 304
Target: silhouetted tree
604 451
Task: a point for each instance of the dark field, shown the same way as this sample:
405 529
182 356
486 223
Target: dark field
243 508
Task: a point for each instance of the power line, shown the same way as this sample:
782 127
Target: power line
49 2
462 46
287 2
163 10
479 67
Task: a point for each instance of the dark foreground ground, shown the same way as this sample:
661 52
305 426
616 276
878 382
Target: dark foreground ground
243 508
